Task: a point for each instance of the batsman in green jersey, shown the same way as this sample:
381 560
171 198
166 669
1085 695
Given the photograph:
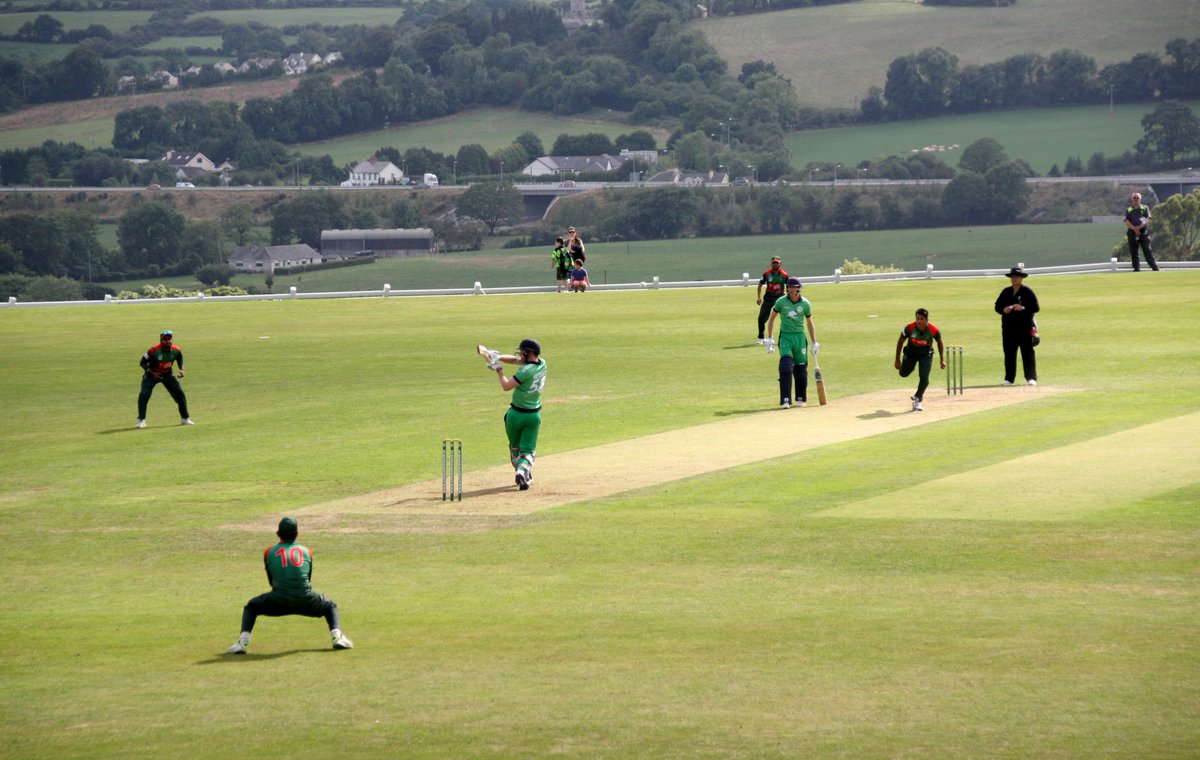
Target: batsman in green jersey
289 571
795 312
524 416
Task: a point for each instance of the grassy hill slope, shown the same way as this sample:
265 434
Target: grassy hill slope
833 53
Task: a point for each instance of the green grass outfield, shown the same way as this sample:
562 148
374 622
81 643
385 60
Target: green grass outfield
806 255
831 53
754 612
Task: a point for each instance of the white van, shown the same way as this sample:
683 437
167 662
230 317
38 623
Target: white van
430 180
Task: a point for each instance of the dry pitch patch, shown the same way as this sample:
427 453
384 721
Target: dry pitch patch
491 500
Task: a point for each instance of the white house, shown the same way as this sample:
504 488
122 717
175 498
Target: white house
572 165
690 179
257 259
374 172
191 161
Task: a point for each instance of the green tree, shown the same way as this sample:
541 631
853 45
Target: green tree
472 160
302 218
149 234
1176 228
1010 192
967 199
493 204
239 223
658 213
201 244
1171 131
215 274
982 155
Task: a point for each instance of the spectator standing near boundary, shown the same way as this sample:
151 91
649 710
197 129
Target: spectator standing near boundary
562 264
1017 306
579 278
575 245
795 313
289 568
921 335
523 420
156 365
1137 219
774 279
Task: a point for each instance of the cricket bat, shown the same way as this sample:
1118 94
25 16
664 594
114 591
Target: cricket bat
820 383
481 350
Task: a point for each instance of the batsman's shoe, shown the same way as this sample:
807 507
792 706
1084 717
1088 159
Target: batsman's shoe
186 421
140 424
785 404
522 480
760 341
801 403
341 642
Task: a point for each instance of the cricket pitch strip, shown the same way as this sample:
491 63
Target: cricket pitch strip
652 460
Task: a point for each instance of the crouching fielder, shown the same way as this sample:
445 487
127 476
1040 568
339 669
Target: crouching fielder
794 312
524 416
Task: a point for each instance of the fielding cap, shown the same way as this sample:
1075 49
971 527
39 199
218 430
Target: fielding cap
794 281
776 260
166 332
529 344
288 525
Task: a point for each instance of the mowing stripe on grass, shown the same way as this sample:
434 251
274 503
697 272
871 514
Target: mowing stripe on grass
1057 485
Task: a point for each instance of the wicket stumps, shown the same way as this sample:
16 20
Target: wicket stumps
954 370
452 466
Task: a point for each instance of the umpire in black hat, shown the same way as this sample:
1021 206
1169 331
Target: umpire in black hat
1016 306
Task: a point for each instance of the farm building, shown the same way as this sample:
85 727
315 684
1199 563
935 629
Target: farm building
383 243
266 259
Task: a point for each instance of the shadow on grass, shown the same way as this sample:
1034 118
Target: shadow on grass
226 657
745 345
732 412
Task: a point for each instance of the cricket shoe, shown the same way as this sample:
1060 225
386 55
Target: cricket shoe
760 341
1007 382
140 424
785 404
917 405
801 404
239 647
1033 382
340 641
186 421
522 480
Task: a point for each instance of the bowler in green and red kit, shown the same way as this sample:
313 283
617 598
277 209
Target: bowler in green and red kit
920 334
289 568
774 279
156 365
523 420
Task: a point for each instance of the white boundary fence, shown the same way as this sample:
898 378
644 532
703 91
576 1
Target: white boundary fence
746 280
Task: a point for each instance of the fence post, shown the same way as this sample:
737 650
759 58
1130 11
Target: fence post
929 271
386 289
1113 263
837 276
656 282
479 289
745 279
292 291
108 298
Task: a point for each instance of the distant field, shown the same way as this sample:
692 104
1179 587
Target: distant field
282 17
181 43
717 258
833 53
32 51
1041 136
491 128
115 21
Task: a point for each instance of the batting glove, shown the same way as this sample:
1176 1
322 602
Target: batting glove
816 347
493 366
770 345
493 357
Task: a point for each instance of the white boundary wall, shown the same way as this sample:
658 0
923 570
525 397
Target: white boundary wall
655 284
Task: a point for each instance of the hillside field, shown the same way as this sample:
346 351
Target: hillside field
1010 582
834 54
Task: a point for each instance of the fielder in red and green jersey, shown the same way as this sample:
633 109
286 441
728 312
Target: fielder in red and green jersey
157 363
774 279
289 567
523 419
795 313
921 334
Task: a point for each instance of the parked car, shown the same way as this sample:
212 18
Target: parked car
741 182
184 184
154 186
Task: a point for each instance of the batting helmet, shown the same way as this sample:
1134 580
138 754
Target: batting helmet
794 281
529 344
